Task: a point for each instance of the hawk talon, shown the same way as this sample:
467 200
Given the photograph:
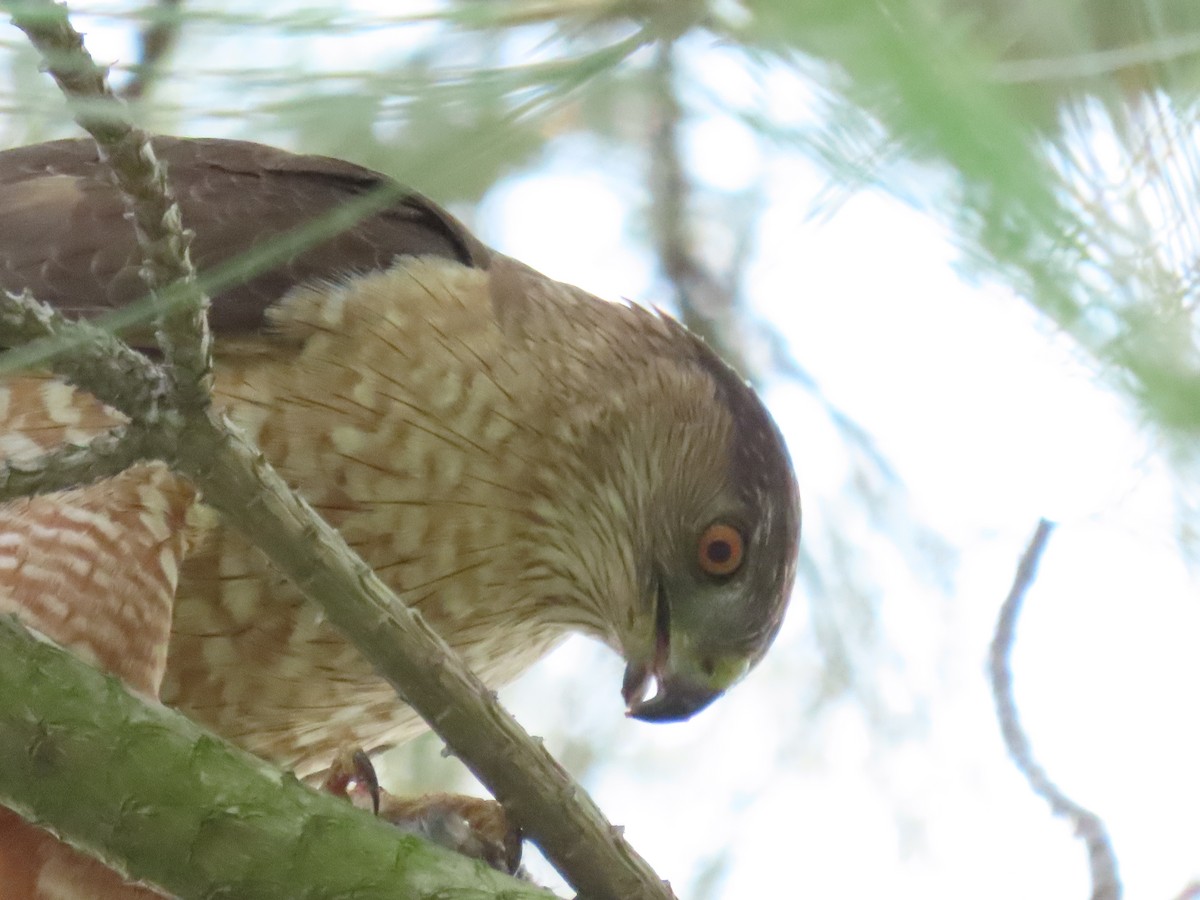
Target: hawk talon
353 767
470 826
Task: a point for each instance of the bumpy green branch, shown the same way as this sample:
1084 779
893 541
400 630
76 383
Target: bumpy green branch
164 801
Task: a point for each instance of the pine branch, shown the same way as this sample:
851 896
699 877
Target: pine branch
72 465
159 799
183 326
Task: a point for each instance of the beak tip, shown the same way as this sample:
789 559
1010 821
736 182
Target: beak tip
634 685
675 701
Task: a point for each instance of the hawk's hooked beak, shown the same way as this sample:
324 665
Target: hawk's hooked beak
675 700
679 695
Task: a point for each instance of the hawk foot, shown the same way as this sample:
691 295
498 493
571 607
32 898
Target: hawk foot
471 826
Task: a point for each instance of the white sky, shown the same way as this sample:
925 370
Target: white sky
990 423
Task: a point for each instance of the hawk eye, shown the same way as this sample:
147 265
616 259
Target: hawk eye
721 549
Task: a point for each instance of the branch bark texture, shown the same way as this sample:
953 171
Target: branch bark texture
182 327
152 794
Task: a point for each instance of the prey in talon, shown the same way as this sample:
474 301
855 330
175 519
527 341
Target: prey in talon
474 827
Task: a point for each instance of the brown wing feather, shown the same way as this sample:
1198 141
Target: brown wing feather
65 237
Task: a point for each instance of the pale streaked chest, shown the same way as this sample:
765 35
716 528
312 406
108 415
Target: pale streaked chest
426 444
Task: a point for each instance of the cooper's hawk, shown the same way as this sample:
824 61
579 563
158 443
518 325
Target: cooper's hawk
515 457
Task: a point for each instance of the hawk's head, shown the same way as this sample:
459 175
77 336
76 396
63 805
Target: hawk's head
717 534
723 558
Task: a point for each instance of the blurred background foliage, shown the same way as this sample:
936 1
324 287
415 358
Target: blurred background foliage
1054 140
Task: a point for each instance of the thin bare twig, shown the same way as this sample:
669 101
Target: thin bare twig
72 465
159 36
1102 861
706 306
114 373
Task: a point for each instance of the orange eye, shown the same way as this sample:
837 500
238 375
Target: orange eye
721 549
